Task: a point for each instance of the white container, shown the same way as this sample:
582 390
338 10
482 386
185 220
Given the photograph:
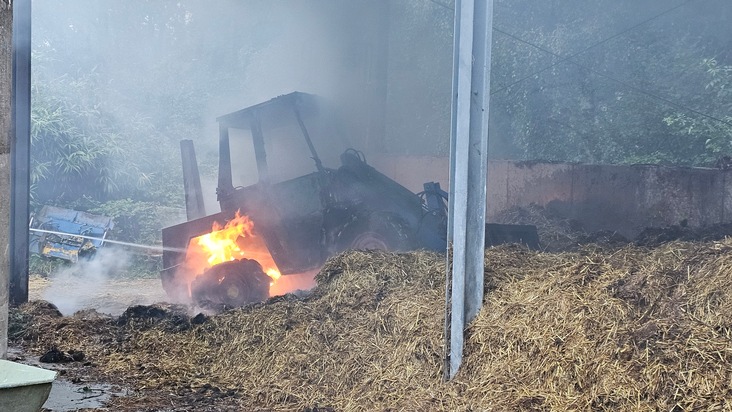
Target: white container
23 388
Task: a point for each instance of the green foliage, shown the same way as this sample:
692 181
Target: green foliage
713 136
41 266
134 221
140 223
81 148
578 81
144 266
71 148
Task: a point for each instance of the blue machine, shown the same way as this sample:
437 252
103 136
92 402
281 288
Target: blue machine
67 234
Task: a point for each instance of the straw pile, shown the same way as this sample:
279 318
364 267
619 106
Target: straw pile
631 329
556 233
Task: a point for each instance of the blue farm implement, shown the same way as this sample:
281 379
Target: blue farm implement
67 234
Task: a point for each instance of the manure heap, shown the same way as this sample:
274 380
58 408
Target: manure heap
630 328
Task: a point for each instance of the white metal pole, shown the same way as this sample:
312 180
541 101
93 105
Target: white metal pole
468 169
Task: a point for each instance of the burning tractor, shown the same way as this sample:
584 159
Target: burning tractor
276 222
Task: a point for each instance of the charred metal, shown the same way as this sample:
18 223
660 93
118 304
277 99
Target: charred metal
306 219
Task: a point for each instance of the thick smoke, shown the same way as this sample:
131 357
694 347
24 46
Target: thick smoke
88 285
318 47
162 71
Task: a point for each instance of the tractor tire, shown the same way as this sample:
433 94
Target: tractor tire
232 284
377 231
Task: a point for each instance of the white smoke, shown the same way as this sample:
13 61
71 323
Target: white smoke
86 284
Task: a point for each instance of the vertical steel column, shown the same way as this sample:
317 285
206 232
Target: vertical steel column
468 169
377 65
20 152
259 153
6 92
225 179
195 207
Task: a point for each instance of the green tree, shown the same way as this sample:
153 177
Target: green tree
711 134
72 147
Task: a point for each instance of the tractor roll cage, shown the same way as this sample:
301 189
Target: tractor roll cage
253 118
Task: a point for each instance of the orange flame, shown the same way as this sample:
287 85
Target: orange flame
220 244
235 240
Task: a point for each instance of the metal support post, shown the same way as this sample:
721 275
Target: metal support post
191 181
225 179
6 91
468 169
20 152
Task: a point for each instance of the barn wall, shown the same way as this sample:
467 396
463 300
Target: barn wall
601 197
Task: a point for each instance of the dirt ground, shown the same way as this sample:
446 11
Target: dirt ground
605 327
110 296
74 389
602 329
77 387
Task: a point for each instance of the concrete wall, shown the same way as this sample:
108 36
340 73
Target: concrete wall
601 197
6 18
622 198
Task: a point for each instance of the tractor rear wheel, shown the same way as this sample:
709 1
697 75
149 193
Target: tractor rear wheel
377 231
234 283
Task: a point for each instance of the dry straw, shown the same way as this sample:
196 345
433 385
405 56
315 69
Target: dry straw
622 330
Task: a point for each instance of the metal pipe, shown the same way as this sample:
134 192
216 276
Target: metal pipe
318 163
